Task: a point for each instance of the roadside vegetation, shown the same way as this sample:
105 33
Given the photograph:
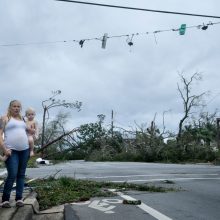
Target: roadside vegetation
52 192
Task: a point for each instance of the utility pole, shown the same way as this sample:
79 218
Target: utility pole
43 126
218 133
112 123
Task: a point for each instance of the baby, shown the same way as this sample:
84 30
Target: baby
33 126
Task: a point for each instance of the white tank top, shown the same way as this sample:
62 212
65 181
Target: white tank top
15 135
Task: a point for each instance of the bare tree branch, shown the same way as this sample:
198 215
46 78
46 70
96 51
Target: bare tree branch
57 139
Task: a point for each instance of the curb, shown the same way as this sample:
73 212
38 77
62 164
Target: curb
69 213
7 214
25 213
30 211
30 206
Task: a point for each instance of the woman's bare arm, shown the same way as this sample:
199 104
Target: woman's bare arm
6 151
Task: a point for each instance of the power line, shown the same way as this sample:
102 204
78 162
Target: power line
139 9
129 37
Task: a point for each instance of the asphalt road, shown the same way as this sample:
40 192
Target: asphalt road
197 199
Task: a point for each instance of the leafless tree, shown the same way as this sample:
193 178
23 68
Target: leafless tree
52 102
190 100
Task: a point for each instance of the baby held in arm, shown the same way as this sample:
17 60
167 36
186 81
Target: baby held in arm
32 128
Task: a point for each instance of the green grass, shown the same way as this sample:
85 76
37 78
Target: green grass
53 192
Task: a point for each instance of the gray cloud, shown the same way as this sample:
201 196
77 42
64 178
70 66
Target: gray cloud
136 82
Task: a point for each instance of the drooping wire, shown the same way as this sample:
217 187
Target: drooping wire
127 36
139 9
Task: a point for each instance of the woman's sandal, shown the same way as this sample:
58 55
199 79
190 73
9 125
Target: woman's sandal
6 204
19 203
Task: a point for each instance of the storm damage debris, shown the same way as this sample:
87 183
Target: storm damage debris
131 202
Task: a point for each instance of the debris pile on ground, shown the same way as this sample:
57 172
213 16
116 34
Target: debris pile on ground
131 202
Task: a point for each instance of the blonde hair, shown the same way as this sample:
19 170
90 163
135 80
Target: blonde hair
29 110
9 115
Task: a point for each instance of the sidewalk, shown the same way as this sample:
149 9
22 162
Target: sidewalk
30 211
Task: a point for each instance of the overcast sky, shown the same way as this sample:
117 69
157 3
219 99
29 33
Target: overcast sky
135 81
